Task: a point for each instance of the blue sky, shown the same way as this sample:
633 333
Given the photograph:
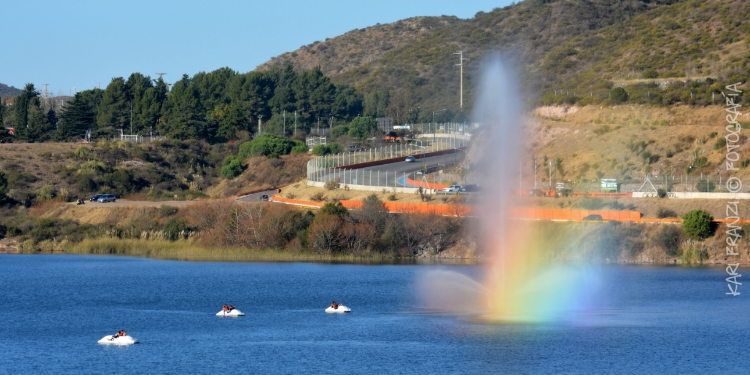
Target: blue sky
67 44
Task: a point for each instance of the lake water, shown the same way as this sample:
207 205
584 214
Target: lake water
53 309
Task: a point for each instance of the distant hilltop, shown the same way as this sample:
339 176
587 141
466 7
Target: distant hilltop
6 90
662 52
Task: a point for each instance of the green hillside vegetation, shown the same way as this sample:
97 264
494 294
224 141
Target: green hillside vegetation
358 46
567 51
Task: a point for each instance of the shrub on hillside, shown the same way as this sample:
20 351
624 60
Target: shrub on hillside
618 95
650 74
334 209
339 131
174 229
705 185
697 224
232 170
268 145
299 147
669 238
330 148
662 213
83 152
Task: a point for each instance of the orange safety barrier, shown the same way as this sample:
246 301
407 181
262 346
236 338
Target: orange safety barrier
426 184
296 201
571 215
532 213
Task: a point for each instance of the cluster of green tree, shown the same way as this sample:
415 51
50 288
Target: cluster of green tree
359 129
30 120
214 106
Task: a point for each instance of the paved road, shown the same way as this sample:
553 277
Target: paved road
255 197
390 175
129 203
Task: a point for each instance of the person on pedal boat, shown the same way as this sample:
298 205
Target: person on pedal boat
225 308
335 305
231 308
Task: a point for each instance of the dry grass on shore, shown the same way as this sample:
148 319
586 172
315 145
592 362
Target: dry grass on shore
185 250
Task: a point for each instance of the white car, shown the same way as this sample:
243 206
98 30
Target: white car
453 189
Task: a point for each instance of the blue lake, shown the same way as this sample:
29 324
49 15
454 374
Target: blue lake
53 309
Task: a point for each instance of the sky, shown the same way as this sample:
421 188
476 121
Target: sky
86 43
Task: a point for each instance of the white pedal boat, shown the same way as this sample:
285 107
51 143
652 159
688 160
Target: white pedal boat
122 340
342 309
232 313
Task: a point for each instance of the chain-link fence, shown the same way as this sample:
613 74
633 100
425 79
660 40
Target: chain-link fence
320 169
357 179
686 183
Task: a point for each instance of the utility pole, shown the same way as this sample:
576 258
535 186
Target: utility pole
550 175
260 121
460 64
295 122
285 122
131 117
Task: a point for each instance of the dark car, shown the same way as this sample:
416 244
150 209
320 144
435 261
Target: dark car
96 197
593 218
470 188
352 148
264 197
104 198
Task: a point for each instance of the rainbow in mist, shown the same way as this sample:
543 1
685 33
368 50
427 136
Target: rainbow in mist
521 283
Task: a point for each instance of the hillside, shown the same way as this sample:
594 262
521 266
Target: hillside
670 144
577 46
358 47
6 90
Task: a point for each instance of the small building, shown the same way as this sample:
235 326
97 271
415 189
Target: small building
609 185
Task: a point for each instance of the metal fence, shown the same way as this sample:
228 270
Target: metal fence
320 169
377 178
138 138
